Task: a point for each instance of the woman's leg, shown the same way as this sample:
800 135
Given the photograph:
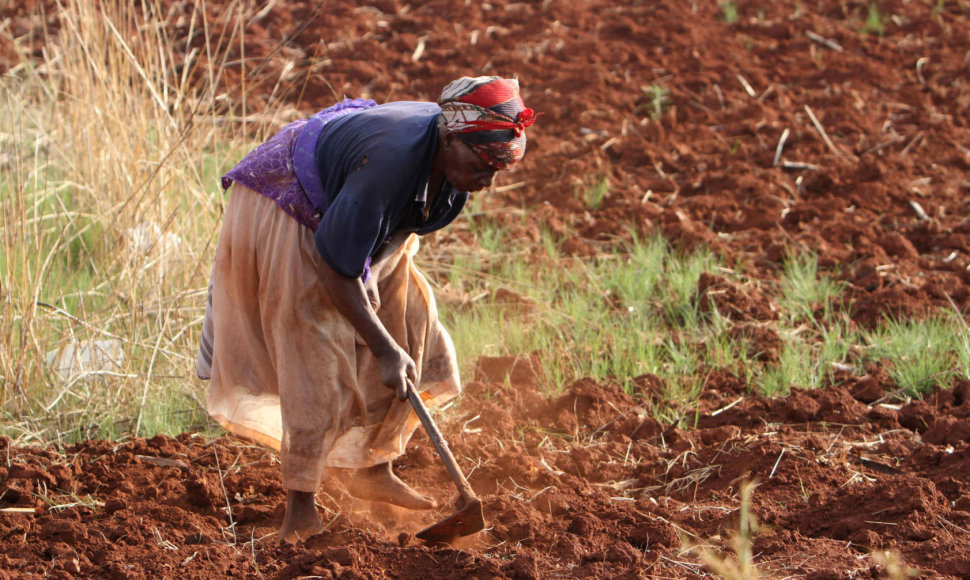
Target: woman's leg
301 520
280 363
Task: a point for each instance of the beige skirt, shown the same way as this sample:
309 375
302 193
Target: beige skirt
289 371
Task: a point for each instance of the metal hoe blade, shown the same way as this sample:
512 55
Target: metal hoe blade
469 517
464 522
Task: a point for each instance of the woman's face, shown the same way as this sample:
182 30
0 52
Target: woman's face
463 168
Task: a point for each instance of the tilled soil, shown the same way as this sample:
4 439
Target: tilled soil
797 127
584 484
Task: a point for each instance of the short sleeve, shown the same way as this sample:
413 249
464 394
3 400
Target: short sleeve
372 165
348 233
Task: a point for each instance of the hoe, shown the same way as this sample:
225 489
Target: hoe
469 518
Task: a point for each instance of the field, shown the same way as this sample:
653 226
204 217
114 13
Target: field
790 139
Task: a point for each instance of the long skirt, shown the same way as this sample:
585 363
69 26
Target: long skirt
289 371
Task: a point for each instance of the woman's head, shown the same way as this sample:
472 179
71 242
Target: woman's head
462 166
488 116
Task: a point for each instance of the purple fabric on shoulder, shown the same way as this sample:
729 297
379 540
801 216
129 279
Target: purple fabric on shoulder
284 167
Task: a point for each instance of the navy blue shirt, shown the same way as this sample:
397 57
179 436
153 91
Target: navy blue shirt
374 166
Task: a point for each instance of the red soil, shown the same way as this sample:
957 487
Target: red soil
586 484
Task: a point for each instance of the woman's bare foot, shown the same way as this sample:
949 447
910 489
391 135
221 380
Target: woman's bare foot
379 483
301 520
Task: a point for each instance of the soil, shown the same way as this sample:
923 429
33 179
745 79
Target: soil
797 127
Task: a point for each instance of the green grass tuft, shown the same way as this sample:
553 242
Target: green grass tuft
922 355
875 22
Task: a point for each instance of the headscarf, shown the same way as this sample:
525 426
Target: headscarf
489 116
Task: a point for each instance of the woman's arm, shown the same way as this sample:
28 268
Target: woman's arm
351 300
394 241
379 262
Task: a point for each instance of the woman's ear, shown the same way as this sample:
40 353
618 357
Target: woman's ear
450 145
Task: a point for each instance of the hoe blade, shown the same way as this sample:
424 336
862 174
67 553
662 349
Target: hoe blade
468 520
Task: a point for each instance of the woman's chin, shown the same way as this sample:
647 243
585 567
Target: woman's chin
473 187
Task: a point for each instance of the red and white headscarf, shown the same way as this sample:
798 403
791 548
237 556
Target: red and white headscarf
488 114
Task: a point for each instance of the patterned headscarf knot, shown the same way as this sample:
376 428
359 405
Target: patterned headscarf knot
488 114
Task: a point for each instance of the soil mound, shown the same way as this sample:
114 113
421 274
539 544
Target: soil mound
577 485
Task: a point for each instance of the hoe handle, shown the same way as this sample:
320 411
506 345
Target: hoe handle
440 444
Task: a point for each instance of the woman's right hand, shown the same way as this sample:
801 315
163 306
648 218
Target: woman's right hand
396 368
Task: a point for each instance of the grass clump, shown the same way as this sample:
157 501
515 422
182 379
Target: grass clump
922 355
110 203
875 22
729 11
656 99
804 289
594 195
816 338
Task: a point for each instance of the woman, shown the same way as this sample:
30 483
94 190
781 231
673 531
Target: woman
317 315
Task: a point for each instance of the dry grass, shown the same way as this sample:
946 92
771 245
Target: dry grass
110 205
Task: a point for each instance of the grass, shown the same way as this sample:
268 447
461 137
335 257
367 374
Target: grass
596 318
816 339
657 101
729 11
875 22
594 196
804 289
637 311
921 355
110 205
738 564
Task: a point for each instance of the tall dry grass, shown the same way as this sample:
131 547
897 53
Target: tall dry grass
112 148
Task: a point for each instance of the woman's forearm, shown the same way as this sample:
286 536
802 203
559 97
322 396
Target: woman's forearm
350 298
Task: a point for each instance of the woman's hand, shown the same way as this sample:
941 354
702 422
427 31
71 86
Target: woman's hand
396 369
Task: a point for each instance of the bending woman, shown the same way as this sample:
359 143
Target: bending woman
317 314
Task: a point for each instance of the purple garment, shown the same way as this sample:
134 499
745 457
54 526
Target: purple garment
284 168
